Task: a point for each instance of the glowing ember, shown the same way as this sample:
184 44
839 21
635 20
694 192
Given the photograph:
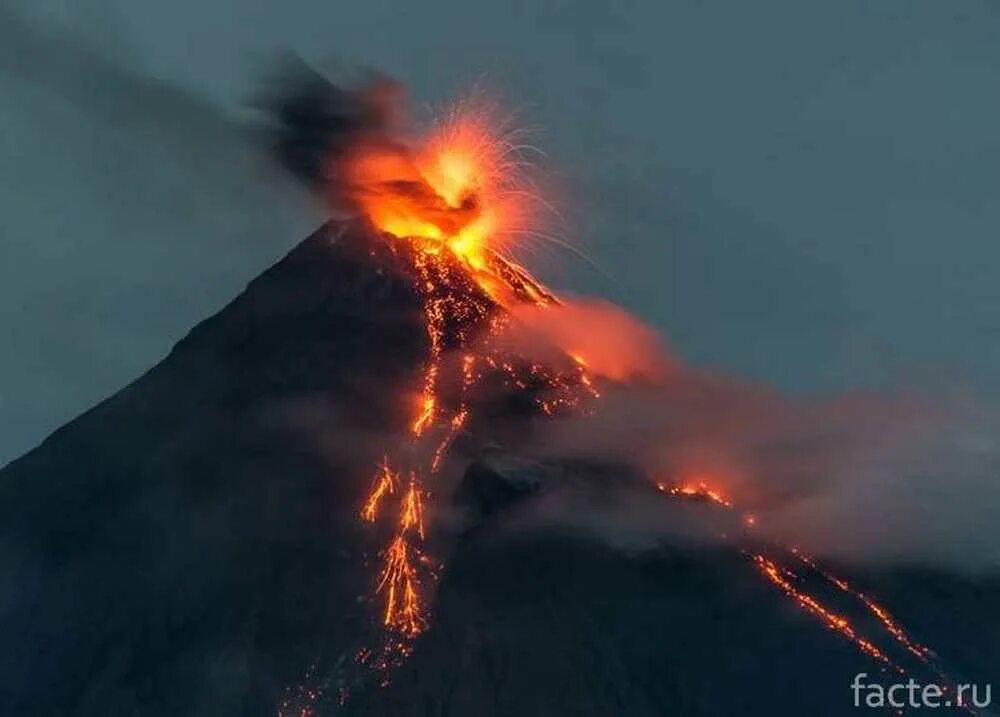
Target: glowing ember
782 578
463 192
403 610
412 515
456 190
301 701
446 206
883 616
700 490
426 415
385 482
786 580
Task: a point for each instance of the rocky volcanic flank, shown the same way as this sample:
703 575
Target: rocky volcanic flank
191 546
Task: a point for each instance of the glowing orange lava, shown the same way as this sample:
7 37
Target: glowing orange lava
883 616
412 514
426 415
786 580
403 610
451 206
700 490
462 191
384 484
782 578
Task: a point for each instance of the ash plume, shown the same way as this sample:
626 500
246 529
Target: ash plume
313 122
347 144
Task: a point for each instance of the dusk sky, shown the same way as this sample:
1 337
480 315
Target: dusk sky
800 193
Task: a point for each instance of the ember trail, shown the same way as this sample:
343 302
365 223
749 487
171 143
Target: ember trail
792 572
452 206
443 208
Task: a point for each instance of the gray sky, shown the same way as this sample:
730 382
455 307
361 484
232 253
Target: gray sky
795 191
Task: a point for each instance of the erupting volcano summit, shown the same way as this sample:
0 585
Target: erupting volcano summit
322 502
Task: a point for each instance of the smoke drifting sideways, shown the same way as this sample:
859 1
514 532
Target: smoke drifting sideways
606 339
132 208
313 123
899 477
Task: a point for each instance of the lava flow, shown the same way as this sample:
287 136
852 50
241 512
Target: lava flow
444 208
451 208
790 583
782 578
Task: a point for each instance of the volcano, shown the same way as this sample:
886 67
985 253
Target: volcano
192 545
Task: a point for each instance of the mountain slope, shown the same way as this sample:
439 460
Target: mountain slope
176 549
191 547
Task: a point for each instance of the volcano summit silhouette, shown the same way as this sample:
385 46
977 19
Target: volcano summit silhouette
191 546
